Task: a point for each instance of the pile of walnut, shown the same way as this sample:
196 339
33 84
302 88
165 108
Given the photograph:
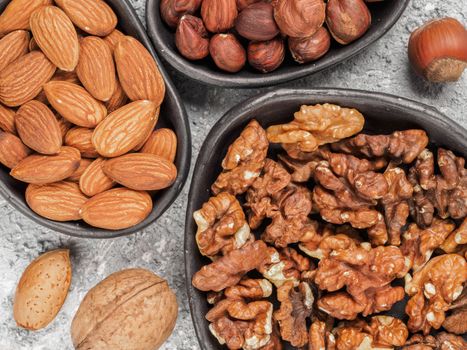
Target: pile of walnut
343 220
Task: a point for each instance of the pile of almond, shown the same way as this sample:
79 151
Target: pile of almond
79 102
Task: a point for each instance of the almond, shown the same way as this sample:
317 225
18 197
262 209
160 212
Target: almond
33 45
117 100
113 38
125 128
117 209
59 75
23 79
41 169
147 134
59 201
7 119
83 165
80 138
42 289
96 69
56 36
75 104
12 150
92 16
64 125
38 128
17 14
141 171
138 72
94 181
13 46
162 143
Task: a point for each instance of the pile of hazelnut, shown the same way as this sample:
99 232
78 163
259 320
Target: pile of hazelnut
313 243
265 27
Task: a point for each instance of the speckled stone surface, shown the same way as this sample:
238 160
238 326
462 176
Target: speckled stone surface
383 67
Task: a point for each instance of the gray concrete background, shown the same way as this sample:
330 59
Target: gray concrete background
383 67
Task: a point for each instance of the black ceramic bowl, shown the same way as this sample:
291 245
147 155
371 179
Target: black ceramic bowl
383 114
385 14
172 115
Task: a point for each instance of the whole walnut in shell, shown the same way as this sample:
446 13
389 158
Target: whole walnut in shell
132 309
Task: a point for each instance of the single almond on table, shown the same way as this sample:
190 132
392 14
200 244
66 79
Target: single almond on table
96 68
12 150
117 209
83 165
138 72
17 14
75 104
141 171
42 169
22 80
117 100
80 138
58 201
94 181
42 289
162 143
92 16
13 46
113 38
124 128
7 119
38 128
56 36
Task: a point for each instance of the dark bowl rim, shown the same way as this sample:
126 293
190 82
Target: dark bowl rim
235 113
184 151
220 79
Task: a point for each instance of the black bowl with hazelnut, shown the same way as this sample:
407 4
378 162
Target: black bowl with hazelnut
252 43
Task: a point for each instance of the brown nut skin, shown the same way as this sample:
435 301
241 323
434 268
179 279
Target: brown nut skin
438 50
256 22
266 56
311 48
227 52
299 18
241 4
191 38
172 10
219 15
347 20
131 309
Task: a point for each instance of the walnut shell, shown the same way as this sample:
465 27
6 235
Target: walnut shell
130 310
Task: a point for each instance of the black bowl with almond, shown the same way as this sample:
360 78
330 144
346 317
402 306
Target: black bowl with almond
252 43
311 207
83 95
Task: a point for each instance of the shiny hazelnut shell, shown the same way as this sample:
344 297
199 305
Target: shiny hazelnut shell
266 56
191 38
347 20
256 22
310 49
299 18
219 15
438 50
227 52
172 10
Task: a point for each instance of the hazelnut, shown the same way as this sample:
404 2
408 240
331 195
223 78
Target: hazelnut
256 22
299 18
438 50
347 20
219 15
266 56
227 52
191 38
310 49
173 10
241 4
